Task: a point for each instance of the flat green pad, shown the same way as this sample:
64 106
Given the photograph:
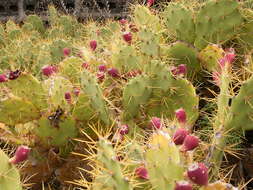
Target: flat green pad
242 108
15 110
29 88
179 21
57 136
9 174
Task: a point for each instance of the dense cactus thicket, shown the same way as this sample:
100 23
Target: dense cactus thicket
119 105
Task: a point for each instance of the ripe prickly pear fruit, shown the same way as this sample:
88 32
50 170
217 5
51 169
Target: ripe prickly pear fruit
113 72
127 37
85 65
181 115
150 3
124 129
102 68
14 74
141 172
198 173
3 78
179 70
93 45
122 21
190 143
21 154
49 70
100 76
66 52
183 185
156 123
68 97
180 135
228 58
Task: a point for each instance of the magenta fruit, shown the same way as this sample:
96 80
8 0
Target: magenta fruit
156 123
183 185
190 143
141 172
122 21
68 97
198 173
127 37
124 129
49 70
180 135
102 68
150 2
14 74
21 154
113 72
85 65
3 78
66 52
181 115
179 70
93 45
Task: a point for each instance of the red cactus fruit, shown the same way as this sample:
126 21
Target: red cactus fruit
3 78
180 135
93 45
122 21
127 37
21 154
113 72
76 91
49 70
102 68
100 76
66 52
181 115
179 70
68 97
150 2
141 172
124 129
156 122
190 143
85 65
14 74
198 173
183 185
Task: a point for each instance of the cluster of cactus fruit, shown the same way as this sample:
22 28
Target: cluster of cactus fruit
127 88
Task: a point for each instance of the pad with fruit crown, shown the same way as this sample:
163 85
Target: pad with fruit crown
9 175
162 156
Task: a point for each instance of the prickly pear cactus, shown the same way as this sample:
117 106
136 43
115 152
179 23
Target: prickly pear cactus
179 21
9 175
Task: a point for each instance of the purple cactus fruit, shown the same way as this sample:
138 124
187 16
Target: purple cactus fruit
49 70
100 76
122 21
102 68
150 2
85 65
183 185
156 122
141 172
113 72
3 78
180 135
179 70
127 37
14 74
66 52
21 154
181 115
198 173
190 143
93 45
68 97
124 129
